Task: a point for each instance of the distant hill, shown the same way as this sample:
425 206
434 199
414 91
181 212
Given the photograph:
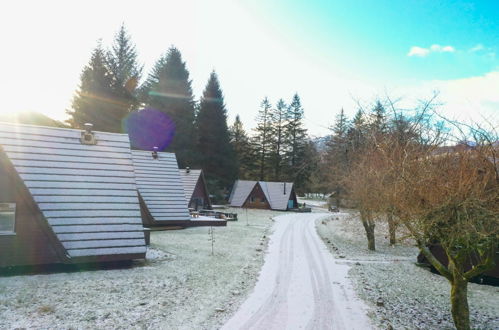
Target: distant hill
321 142
31 118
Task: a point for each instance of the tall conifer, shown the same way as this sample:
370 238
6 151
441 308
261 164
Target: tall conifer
96 101
263 138
168 89
124 66
215 151
242 148
278 121
296 136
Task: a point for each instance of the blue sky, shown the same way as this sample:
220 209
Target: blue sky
333 53
377 35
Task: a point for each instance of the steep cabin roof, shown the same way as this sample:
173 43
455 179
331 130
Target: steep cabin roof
277 193
160 187
86 193
190 180
240 192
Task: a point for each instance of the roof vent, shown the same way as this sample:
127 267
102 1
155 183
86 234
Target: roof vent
187 169
155 153
87 136
284 188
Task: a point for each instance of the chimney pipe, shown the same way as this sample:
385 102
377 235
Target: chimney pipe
87 136
187 169
284 188
88 127
155 153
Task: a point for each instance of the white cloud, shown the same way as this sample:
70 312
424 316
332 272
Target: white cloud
471 100
435 48
418 51
477 48
448 49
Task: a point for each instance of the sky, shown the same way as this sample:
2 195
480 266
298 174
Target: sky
334 54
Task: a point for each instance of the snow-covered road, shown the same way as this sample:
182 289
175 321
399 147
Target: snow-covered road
301 285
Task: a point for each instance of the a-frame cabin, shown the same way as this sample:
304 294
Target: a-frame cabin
67 196
195 189
161 192
263 195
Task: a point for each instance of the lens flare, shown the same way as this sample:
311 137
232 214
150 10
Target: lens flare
149 128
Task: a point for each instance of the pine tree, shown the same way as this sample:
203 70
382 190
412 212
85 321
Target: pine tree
278 121
296 137
243 150
216 154
357 134
337 156
123 63
378 124
146 90
96 101
263 138
169 90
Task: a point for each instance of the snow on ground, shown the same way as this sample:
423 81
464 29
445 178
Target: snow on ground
300 285
181 286
401 294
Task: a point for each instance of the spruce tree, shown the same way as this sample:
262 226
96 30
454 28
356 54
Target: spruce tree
152 81
123 64
357 134
96 101
378 119
296 137
337 156
263 138
215 151
278 121
169 90
243 150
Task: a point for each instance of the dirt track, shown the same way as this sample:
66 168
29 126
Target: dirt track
301 286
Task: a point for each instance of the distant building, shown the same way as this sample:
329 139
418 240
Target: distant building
67 196
195 189
263 195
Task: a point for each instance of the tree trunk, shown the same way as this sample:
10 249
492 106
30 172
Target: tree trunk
392 228
368 224
459 303
337 197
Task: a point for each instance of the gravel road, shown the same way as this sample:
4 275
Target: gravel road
301 286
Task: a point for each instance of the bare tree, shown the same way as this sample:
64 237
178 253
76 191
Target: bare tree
449 197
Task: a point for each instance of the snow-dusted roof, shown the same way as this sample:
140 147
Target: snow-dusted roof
189 180
277 193
87 193
160 186
240 192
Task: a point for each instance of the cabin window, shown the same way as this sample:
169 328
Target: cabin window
7 218
252 199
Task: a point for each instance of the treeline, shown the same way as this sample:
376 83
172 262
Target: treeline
279 149
349 139
113 86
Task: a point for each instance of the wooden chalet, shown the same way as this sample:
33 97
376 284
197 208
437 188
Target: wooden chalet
67 196
161 192
195 189
263 195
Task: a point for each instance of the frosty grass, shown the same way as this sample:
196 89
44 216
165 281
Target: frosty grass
401 294
180 286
